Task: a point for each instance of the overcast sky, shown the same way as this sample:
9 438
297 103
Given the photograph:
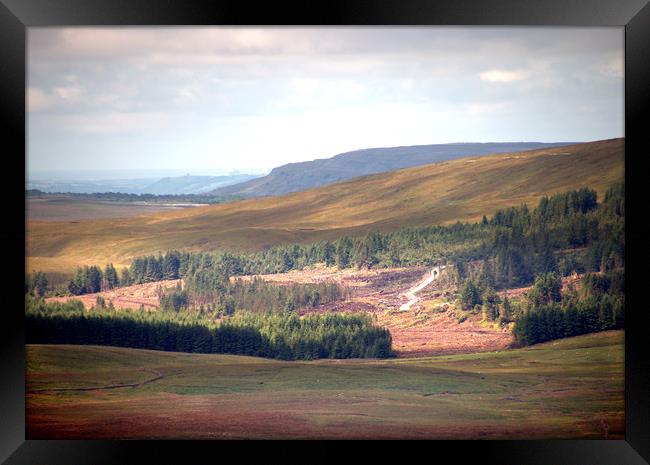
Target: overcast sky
209 100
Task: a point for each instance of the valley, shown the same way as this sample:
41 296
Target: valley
380 310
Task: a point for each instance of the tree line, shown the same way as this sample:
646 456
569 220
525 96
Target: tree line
224 297
91 279
37 284
124 197
276 335
568 232
549 314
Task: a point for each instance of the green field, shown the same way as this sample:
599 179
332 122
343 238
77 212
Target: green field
572 388
441 193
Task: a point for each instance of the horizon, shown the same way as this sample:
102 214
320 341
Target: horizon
120 174
88 175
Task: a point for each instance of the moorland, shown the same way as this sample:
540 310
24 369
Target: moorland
480 297
441 193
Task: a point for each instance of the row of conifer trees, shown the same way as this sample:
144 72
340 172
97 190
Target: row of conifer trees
277 335
599 305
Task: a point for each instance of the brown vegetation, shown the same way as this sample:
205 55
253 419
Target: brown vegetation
521 292
439 193
67 208
125 297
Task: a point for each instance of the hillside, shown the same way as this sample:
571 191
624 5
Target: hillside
295 177
457 190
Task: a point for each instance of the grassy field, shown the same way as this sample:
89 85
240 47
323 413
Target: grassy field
463 189
572 388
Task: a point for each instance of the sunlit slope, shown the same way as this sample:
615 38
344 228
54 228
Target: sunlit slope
295 177
462 189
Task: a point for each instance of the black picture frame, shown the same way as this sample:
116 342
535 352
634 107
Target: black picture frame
17 15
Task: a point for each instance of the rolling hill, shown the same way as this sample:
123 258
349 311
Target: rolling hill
295 177
440 193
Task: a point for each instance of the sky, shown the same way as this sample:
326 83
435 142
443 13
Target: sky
212 100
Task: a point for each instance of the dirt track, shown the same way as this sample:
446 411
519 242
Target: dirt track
411 293
158 375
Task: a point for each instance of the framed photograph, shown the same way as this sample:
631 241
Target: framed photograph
382 228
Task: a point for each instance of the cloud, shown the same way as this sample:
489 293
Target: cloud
613 67
489 109
186 94
500 75
38 100
69 93
373 85
183 45
114 122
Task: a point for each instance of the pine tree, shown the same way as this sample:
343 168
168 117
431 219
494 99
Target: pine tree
110 277
94 277
343 250
505 310
170 265
39 284
470 294
125 279
329 254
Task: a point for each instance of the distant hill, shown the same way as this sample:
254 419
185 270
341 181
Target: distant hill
176 185
440 193
82 186
296 177
193 184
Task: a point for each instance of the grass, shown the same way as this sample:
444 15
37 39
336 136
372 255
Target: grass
571 388
433 194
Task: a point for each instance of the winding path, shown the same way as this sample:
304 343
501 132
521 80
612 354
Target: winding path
428 279
158 375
